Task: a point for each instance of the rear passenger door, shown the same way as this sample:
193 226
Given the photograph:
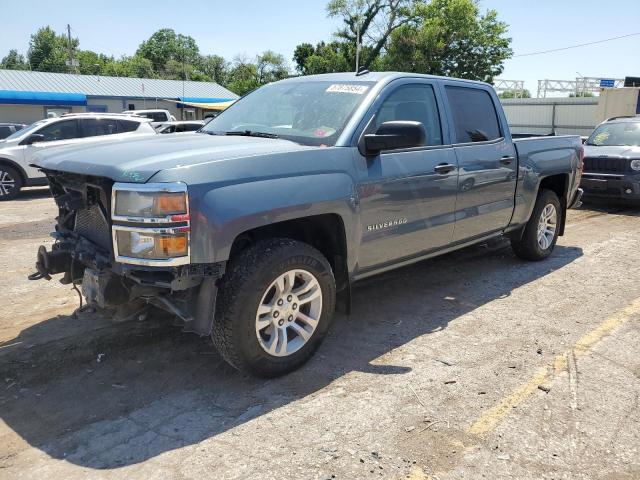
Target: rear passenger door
486 161
407 204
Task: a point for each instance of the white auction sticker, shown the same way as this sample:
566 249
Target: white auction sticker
347 88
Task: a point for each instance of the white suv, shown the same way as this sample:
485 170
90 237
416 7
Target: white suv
18 150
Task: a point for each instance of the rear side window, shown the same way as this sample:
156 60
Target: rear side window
156 116
474 114
94 127
415 103
127 126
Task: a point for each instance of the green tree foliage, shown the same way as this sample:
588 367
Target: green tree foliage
271 67
512 94
14 61
48 51
214 67
91 62
166 45
452 38
323 58
375 20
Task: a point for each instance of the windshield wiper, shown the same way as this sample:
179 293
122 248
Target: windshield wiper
249 133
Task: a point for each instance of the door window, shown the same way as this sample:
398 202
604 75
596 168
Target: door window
474 114
415 103
63 130
94 127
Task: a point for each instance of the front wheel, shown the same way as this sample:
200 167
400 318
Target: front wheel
274 307
10 182
541 231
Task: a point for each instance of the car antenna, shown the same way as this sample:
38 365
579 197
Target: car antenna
362 71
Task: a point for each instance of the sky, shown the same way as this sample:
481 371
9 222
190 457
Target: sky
248 27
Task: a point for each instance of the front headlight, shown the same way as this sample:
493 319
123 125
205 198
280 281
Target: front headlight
151 223
635 165
149 204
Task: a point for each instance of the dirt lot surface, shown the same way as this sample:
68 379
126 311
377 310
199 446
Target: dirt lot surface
472 365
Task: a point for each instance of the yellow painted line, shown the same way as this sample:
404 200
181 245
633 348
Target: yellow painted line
492 417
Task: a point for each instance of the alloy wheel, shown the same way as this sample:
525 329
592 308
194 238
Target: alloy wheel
547 225
288 313
7 183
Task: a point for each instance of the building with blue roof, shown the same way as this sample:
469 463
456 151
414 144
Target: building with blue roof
27 96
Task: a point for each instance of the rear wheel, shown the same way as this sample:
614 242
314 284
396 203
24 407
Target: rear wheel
541 232
10 182
274 307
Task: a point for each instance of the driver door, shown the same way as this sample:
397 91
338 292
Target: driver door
58 133
407 199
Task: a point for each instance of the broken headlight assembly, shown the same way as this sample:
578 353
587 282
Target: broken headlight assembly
151 224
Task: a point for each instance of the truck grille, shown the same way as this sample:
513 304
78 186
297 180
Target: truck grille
607 165
91 224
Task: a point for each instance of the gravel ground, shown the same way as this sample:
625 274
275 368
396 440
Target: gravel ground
472 365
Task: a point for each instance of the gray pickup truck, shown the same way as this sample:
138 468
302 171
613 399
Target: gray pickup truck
254 229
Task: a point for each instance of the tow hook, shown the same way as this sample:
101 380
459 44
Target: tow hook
50 263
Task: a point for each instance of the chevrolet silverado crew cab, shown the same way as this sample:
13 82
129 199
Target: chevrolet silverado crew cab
19 149
612 161
254 229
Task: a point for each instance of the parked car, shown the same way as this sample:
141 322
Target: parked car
179 127
612 161
156 115
7 129
254 229
17 151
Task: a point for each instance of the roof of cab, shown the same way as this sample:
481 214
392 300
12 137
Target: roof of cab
373 77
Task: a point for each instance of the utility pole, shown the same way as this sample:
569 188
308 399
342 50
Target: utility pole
358 46
73 65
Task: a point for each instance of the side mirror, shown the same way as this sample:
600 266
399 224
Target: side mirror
34 138
395 135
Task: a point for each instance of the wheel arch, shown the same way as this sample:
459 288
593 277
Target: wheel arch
13 164
325 232
559 184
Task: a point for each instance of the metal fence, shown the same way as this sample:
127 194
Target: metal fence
576 116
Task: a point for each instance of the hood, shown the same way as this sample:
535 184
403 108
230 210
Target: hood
138 159
618 151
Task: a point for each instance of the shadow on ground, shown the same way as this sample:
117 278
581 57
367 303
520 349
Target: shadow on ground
160 395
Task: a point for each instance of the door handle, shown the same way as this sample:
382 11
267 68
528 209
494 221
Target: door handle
444 168
506 160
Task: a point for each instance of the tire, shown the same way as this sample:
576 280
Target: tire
10 182
531 246
250 283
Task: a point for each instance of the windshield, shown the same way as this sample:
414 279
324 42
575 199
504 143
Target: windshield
310 113
26 130
616 134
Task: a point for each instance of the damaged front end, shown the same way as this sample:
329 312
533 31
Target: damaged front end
128 245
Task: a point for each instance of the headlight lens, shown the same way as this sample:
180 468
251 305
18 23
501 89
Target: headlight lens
635 164
152 245
150 204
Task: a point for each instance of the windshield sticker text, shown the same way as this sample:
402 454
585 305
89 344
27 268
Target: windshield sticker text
346 88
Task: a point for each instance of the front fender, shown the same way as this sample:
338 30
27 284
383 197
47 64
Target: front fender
219 215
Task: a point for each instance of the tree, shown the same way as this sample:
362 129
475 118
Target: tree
243 76
512 94
215 67
49 51
165 45
582 94
14 61
271 67
135 66
324 58
452 38
375 20
92 63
